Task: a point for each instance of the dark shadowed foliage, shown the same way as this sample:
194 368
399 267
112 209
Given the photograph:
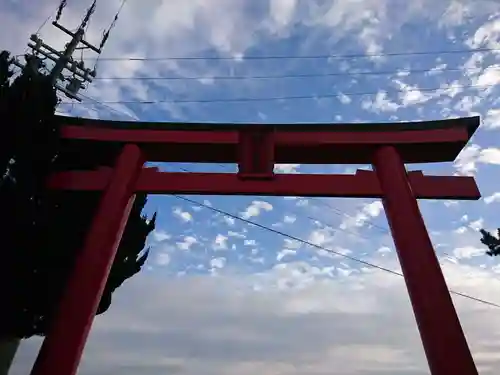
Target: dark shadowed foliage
43 231
492 242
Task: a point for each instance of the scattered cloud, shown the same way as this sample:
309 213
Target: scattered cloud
220 242
495 197
256 208
187 242
366 213
466 161
286 168
468 252
183 215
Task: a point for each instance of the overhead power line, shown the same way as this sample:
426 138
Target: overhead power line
324 203
302 57
308 243
335 210
402 72
297 97
338 212
97 102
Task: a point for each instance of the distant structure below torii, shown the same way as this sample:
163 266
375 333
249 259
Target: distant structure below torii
79 74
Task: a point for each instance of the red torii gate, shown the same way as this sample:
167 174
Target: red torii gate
256 149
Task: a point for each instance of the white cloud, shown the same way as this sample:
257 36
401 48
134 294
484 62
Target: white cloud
380 103
302 202
256 208
449 203
344 99
229 28
492 119
477 224
286 168
343 251
236 234
183 215
229 220
455 14
281 12
370 210
466 161
322 237
218 263
487 78
495 197
490 155
467 103
487 35
384 250
468 252
289 243
374 209
162 259
220 242
283 253
160 235
411 95
187 242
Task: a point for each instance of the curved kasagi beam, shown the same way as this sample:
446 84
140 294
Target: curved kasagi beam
470 123
416 142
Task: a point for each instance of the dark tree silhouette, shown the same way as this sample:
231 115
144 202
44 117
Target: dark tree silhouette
492 242
42 231
5 72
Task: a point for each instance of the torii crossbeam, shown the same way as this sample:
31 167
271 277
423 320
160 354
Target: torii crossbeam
256 149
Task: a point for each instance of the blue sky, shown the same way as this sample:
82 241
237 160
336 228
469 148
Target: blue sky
221 296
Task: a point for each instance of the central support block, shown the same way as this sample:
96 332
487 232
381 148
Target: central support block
256 153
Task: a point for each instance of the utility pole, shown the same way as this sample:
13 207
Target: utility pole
63 60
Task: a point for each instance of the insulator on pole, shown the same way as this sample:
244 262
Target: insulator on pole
105 36
62 5
89 14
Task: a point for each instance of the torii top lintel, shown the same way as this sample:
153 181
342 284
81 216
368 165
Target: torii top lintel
417 142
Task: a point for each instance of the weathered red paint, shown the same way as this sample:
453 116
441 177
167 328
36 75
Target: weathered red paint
256 150
62 348
442 336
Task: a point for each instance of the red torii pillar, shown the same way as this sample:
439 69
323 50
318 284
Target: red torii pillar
442 336
62 348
